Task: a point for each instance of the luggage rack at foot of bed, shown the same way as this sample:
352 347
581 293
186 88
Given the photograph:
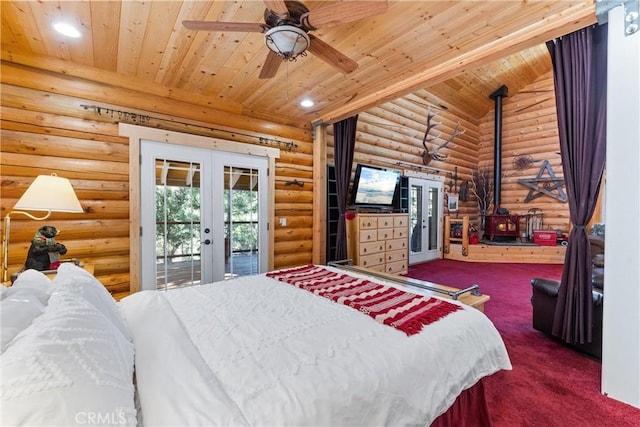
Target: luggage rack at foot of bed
348 265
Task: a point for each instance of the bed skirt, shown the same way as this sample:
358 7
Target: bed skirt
469 410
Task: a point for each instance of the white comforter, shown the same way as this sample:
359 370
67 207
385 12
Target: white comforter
255 351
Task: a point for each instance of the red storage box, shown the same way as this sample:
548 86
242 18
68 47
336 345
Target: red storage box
546 238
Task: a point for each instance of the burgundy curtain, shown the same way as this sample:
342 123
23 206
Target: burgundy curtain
344 135
580 77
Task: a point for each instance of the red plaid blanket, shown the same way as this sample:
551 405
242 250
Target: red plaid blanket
402 310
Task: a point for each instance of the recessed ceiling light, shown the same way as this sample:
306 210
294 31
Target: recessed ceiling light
67 30
306 103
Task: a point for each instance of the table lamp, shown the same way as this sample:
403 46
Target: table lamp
47 193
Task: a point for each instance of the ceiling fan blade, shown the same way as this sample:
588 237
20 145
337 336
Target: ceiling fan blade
331 56
271 65
277 6
249 27
339 13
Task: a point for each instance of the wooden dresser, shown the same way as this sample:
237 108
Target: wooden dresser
379 242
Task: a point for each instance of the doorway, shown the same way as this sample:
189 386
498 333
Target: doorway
204 215
137 134
425 219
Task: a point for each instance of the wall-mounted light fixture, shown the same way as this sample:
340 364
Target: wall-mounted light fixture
47 193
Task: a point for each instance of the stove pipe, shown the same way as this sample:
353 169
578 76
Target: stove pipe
497 96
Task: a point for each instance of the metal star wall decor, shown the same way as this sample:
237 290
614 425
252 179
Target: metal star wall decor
539 186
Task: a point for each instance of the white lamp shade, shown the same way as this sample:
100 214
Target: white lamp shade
49 193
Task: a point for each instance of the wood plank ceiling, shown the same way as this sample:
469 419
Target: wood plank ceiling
460 51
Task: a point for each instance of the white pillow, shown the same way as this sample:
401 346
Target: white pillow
72 366
32 279
18 308
21 303
74 280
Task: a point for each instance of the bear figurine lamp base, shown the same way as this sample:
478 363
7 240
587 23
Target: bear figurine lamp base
47 193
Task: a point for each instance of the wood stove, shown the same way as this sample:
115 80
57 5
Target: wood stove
502 226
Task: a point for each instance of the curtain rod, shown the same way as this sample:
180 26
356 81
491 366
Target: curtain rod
135 118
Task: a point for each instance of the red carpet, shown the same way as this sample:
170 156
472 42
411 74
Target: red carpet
550 384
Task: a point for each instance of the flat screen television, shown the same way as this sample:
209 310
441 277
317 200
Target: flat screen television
374 186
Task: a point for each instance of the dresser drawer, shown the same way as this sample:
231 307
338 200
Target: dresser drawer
371 260
401 221
393 256
400 233
368 222
368 236
371 247
385 233
396 267
394 245
385 222
379 267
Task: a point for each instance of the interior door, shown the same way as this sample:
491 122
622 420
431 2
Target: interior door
204 215
425 220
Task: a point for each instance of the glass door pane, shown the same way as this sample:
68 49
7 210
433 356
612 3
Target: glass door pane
416 218
425 219
177 196
241 219
434 218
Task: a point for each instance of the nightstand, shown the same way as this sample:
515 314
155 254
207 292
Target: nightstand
51 274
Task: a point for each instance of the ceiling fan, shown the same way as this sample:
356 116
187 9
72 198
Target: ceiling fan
287 25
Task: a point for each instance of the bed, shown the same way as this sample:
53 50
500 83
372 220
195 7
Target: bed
258 350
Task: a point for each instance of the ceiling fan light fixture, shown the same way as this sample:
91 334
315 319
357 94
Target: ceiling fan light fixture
287 41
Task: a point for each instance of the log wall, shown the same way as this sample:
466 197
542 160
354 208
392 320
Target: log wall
391 136
46 129
529 127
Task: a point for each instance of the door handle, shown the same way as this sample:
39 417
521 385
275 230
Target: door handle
206 242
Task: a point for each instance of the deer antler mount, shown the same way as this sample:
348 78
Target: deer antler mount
428 156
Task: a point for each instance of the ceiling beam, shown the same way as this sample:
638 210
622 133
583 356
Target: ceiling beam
568 21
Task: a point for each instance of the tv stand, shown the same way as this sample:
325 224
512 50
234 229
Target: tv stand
379 241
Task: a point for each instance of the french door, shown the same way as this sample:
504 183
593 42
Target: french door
204 215
425 219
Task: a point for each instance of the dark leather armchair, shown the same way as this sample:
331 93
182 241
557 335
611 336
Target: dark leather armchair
597 260
544 299
545 296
